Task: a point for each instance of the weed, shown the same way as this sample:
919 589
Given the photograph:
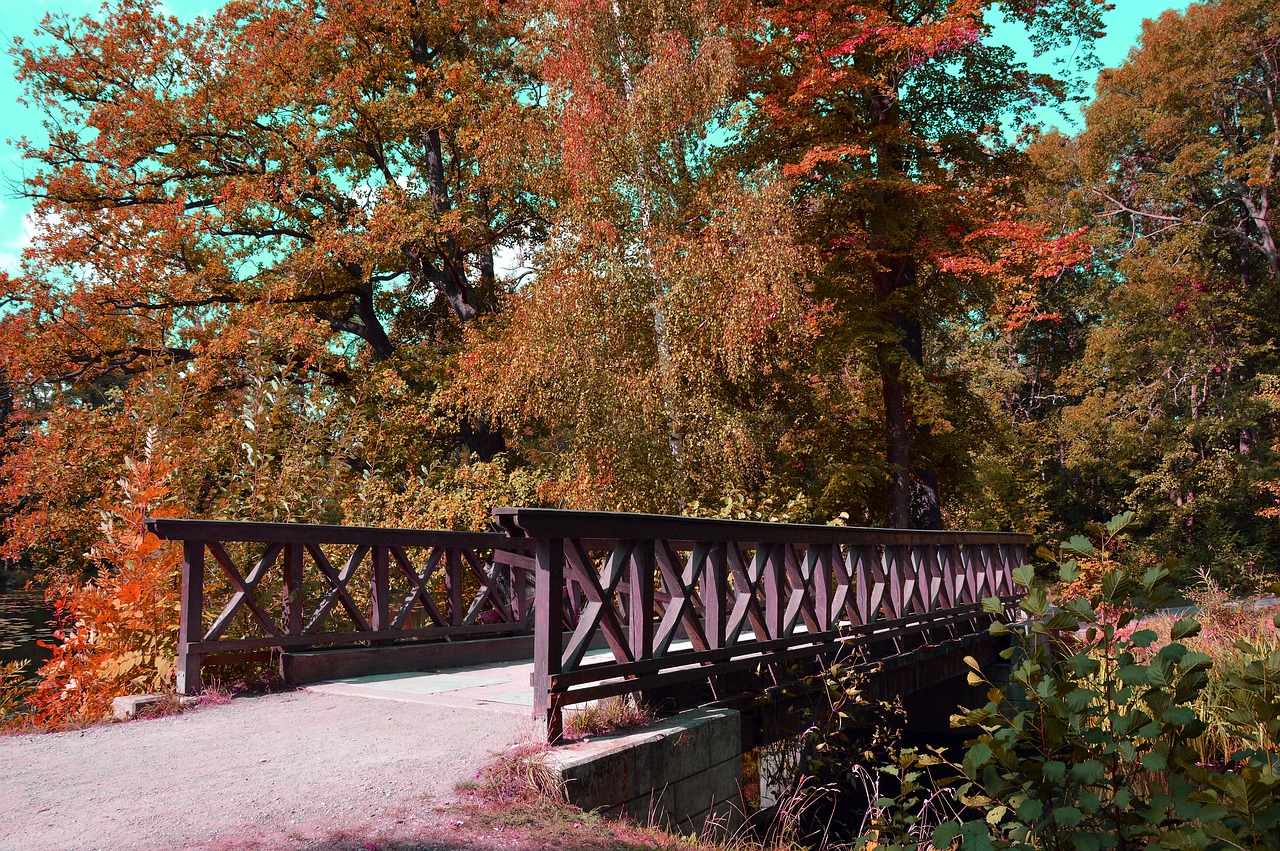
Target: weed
520 775
607 716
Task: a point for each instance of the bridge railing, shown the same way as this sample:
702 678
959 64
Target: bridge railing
253 587
683 600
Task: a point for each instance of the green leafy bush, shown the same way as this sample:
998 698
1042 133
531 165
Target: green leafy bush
1091 743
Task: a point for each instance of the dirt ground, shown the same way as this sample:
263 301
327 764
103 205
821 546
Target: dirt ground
298 770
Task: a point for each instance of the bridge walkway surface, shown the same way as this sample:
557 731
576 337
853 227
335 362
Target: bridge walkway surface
352 764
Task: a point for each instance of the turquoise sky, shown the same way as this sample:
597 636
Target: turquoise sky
19 18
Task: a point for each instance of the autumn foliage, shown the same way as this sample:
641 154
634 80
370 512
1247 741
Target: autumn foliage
116 631
397 262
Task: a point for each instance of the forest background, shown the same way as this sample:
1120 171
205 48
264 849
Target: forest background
396 263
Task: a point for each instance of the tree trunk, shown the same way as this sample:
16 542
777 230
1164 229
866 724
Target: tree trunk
666 372
913 485
897 441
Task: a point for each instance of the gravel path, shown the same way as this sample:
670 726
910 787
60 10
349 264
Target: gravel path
295 770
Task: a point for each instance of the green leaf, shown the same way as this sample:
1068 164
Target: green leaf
1079 699
1067 816
945 834
1024 576
1080 545
1184 628
1063 622
1087 772
1069 571
1153 576
1112 584
977 756
1053 771
1086 841
1154 762
1179 716
1143 638
1030 811
1134 675
1045 554
1115 524
1082 665
975 837
992 606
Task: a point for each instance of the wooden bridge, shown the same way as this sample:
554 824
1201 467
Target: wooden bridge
684 606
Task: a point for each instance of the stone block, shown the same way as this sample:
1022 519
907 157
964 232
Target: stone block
128 706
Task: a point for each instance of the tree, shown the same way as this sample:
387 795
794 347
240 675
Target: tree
652 360
1183 137
891 116
260 231
1172 409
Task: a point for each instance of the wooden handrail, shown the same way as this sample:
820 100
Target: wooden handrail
252 532
739 593
674 598
562 523
457 585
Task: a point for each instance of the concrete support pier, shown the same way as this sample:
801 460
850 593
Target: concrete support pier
684 773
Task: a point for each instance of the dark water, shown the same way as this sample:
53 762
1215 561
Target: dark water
24 620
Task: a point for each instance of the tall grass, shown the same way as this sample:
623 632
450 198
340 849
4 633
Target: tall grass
1234 634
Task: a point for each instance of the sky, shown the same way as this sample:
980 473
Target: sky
19 19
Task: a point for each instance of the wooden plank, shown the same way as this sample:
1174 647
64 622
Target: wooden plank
684 658
715 588
547 636
292 590
765 650
246 590
337 589
303 533
769 558
516 560
683 531
191 617
453 584
418 591
379 591
382 636
640 606
599 613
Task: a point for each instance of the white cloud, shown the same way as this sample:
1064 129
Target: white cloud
512 261
11 249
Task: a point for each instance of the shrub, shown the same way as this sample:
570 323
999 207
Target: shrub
117 633
1100 752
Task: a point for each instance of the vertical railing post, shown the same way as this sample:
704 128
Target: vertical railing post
293 589
379 590
640 617
548 635
818 557
453 584
191 617
774 569
519 588
715 592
